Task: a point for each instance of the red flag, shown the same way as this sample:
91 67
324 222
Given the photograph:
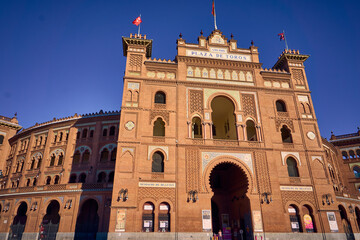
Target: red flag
137 21
213 8
282 36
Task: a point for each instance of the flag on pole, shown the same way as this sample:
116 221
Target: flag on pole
282 36
137 21
213 13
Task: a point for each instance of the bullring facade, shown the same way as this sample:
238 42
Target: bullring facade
210 141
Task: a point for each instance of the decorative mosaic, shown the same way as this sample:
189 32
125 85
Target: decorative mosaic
281 121
192 169
133 85
164 148
82 149
248 101
196 100
156 194
295 154
243 157
297 196
209 92
135 62
159 113
298 76
262 172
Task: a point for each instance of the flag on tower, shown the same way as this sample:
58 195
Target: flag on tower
137 21
213 13
282 36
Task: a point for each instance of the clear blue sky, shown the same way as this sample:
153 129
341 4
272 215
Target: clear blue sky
58 58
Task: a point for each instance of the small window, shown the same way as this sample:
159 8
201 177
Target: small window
101 177
72 178
159 128
78 135
196 127
104 155
158 162
286 134
160 97
61 157
76 158
352 154
113 154
280 106
48 180
292 167
28 182
34 181
60 137
39 163
105 132
86 156
84 133
1 139
356 170
111 177
82 178
112 131
57 179
52 160
344 155
92 133
251 131
358 153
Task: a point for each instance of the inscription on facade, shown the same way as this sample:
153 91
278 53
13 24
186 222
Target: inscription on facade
218 53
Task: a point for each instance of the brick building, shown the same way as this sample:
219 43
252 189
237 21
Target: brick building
209 141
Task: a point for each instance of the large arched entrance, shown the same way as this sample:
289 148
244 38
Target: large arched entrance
18 225
230 205
88 221
50 223
346 224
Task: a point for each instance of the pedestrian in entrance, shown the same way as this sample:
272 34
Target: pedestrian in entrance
220 235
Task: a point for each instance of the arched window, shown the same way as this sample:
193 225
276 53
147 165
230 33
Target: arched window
82 178
76 158
40 141
148 217
39 162
32 163
86 156
61 158
358 153
72 178
1 139
157 162
196 127
111 177
28 182
164 217
160 97
159 128
101 177
292 167
356 170
223 118
344 155
112 131
105 132
34 181
303 110
104 156
52 160
84 133
21 165
113 154
92 133
308 219
352 154
331 171
48 180
78 135
251 131
286 134
294 218
280 106
56 179
309 108
61 136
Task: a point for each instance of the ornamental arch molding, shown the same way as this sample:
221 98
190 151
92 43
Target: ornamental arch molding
57 152
233 96
230 160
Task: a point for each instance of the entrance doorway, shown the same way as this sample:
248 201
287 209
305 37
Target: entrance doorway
18 226
230 207
88 221
51 221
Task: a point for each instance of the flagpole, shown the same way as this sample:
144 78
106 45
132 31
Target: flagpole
215 16
287 48
139 27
